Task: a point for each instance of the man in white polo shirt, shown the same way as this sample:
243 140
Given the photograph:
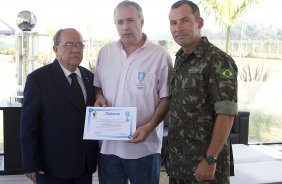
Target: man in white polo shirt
133 72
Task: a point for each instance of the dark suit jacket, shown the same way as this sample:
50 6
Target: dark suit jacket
52 124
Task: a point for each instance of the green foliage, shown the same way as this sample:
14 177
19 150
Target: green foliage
91 64
44 58
261 123
260 74
227 13
10 51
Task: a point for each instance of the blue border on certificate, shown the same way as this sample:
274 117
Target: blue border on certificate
127 116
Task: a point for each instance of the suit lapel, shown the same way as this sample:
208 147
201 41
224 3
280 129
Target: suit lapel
63 85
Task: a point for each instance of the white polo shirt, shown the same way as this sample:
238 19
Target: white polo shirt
117 75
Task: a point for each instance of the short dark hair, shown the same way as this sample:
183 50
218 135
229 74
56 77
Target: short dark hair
194 7
127 3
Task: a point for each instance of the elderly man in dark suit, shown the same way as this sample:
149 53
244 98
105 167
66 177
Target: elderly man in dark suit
53 113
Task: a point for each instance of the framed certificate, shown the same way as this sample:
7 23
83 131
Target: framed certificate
110 123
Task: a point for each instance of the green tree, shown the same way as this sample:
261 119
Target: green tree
227 13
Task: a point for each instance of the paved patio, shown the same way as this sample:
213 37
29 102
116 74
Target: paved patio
21 179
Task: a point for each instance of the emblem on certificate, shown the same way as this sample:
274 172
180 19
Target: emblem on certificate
141 77
127 114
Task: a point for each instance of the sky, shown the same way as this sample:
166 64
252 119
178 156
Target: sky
96 17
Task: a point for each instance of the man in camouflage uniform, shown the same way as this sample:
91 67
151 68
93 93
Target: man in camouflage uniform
203 88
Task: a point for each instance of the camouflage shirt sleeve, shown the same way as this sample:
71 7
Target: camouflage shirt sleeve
223 83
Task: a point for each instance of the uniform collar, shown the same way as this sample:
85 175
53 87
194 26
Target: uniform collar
199 50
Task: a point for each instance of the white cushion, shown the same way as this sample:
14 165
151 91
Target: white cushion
244 154
257 172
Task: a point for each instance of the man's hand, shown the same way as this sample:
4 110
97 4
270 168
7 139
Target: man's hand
141 134
100 101
32 176
205 172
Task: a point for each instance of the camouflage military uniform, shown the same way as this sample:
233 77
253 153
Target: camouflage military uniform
202 84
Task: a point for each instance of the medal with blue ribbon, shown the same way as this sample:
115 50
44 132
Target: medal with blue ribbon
141 77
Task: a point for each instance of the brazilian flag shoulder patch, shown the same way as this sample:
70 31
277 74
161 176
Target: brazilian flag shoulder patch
227 73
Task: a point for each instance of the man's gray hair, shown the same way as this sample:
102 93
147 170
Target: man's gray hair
127 3
57 36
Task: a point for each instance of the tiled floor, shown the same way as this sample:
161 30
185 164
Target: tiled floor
21 179
14 179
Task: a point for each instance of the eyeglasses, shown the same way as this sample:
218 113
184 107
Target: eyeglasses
70 45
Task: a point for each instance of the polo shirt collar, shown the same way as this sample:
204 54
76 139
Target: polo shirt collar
119 43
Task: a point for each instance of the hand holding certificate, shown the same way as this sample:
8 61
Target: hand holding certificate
110 123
